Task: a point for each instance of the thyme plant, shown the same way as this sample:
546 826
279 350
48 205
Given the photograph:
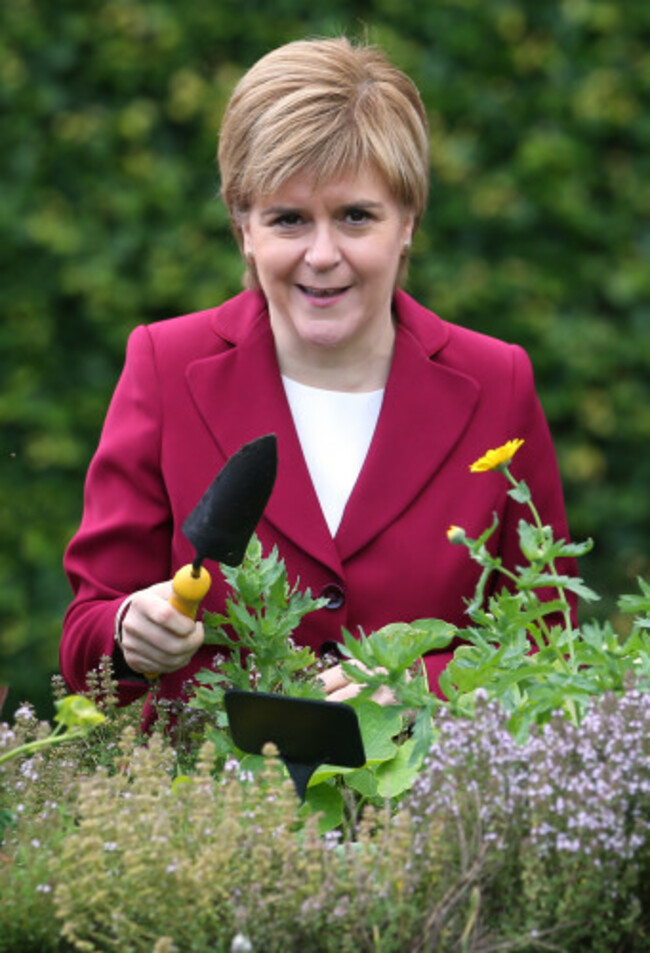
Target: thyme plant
513 814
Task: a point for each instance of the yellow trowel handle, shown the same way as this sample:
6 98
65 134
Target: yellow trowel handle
190 586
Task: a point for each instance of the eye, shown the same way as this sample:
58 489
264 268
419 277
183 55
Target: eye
357 216
287 220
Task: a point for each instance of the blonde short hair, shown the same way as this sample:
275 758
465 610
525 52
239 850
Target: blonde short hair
326 106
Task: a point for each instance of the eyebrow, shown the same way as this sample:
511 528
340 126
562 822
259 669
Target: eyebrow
366 204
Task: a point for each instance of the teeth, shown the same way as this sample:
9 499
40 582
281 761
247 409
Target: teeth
322 292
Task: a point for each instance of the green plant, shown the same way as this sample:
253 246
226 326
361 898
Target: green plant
262 612
533 666
76 715
498 846
535 234
255 631
522 648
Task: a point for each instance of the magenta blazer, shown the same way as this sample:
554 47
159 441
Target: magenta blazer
195 388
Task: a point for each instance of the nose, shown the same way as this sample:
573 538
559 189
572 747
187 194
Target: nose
323 250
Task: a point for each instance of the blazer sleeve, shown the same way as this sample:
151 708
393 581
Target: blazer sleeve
124 540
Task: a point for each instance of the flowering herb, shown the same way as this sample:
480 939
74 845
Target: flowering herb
514 814
76 715
515 648
498 845
497 459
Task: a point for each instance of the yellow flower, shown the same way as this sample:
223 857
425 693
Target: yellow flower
497 459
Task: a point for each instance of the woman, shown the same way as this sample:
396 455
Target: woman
379 406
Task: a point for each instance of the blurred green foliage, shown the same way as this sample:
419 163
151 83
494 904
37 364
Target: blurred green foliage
538 232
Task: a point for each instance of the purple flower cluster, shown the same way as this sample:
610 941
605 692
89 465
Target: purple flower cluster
475 772
571 798
589 785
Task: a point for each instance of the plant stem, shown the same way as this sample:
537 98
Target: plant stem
31 747
566 612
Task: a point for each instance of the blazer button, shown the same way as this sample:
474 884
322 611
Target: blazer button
334 594
330 648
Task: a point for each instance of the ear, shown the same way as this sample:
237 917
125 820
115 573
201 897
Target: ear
408 228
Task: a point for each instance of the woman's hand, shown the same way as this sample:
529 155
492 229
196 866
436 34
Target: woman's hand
339 688
155 636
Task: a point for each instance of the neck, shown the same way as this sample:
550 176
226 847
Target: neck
360 365
333 372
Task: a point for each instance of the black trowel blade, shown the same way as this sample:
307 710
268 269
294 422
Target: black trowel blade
221 524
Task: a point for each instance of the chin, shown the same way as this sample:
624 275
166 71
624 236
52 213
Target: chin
324 342
320 333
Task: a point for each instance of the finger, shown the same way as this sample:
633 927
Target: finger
333 678
149 647
150 609
383 696
346 693
147 659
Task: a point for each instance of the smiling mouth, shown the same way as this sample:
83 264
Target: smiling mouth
322 292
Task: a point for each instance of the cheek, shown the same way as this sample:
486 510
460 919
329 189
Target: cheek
380 269
278 259
275 271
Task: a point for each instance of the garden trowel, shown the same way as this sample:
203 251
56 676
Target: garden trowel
222 522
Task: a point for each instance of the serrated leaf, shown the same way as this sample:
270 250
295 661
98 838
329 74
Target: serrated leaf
573 584
562 548
632 603
533 541
545 580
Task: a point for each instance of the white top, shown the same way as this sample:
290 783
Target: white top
335 429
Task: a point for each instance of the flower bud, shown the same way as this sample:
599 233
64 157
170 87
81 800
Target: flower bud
456 534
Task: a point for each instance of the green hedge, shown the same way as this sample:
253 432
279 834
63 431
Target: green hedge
536 233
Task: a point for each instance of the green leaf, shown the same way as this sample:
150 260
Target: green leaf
533 541
326 800
436 635
632 603
363 781
397 775
521 492
379 725
422 734
77 711
562 548
530 579
325 772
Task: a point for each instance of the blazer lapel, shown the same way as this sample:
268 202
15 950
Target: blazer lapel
426 409
239 395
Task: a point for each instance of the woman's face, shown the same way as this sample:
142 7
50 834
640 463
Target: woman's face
327 259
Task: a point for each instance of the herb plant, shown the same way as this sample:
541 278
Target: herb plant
532 665
513 814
